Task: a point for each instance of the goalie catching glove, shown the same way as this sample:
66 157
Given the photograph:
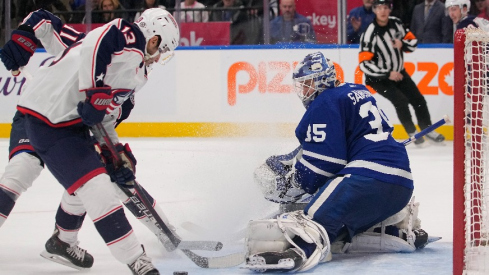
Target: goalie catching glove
276 178
121 174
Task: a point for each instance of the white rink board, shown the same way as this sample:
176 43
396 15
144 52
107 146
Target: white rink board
249 85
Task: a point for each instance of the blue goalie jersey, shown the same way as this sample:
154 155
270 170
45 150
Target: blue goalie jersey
344 132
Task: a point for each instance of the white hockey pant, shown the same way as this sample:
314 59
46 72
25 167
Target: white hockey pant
104 208
20 173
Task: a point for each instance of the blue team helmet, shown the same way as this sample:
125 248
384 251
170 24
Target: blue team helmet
312 76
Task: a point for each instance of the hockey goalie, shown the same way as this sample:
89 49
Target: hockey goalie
348 186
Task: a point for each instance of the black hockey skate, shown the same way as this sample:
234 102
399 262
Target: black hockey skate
421 238
418 141
143 265
274 261
434 136
62 253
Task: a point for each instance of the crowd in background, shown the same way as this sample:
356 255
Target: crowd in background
246 16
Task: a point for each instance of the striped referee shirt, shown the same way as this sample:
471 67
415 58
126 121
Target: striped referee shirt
378 57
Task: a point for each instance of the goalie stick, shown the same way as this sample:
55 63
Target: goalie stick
145 207
429 129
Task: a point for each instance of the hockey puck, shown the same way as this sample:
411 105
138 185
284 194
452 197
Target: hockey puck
180 273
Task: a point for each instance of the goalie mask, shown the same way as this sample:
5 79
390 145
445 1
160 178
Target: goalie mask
312 76
157 21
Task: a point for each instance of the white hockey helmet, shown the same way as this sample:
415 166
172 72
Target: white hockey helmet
157 21
460 3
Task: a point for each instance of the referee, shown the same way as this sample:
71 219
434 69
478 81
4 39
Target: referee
381 60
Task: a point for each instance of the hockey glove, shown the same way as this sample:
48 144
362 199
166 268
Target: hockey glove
123 175
92 110
282 164
287 190
19 49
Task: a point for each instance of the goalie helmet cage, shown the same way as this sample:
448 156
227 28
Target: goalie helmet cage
471 152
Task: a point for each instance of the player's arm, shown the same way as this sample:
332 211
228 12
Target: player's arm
366 57
409 40
50 30
39 26
323 146
96 54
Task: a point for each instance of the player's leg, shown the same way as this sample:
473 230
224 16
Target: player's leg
356 203
131 206
70 156
390 91
23 168
62 247
418 102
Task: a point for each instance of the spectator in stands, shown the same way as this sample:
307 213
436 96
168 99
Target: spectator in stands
358 20
117 11
291 27
476 7
485 12
79 17
75 4
148 4
458 10
236 16
27 6
430 24
403 9
224 14
192 16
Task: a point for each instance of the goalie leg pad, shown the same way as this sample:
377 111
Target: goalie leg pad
371 242
276 235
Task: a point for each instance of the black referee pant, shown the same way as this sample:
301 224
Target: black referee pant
401 94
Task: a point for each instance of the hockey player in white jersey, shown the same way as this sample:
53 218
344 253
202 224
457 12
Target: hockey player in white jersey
56 129
358 175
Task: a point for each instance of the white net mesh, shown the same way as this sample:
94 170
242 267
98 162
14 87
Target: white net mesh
476 152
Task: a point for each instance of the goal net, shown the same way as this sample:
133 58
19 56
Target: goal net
471 152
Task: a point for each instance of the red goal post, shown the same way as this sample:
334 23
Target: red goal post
471 152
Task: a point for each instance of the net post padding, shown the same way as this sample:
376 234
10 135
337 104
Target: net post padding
458 153
470 145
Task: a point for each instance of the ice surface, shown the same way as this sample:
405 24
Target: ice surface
209 182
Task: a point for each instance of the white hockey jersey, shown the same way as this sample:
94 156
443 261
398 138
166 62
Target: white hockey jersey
112 55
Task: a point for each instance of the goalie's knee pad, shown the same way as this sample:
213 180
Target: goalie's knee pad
276 235
20 173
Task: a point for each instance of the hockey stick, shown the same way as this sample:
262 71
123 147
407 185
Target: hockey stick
145 207
431 128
